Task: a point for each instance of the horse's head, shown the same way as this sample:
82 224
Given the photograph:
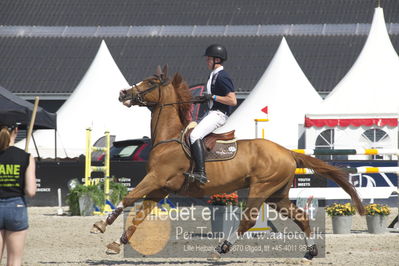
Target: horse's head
146 92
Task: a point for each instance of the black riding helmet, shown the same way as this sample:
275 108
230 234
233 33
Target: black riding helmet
216 50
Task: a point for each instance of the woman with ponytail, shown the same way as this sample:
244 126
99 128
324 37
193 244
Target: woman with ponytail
17 179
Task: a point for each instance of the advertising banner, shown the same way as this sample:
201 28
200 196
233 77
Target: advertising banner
51 175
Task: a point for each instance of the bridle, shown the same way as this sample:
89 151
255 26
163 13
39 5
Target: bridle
138 99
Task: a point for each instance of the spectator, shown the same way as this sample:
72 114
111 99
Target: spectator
17 179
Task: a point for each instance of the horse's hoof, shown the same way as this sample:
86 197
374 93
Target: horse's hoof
214 256
94 230
113 248
98 227
310 254
306 261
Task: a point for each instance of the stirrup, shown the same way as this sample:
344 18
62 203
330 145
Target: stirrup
201 178
196 177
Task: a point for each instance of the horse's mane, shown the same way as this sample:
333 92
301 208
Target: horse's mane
183 95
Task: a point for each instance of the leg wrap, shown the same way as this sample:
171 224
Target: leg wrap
112 217
127 234
223 247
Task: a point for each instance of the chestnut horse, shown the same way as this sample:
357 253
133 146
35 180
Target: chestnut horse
264 167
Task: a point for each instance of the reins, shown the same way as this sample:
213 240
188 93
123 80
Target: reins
156 125
139 100
167 141
153 104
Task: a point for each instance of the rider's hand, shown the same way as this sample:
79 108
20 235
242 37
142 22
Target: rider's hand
203 98
207 97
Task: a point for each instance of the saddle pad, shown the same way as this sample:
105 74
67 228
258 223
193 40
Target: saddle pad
223 150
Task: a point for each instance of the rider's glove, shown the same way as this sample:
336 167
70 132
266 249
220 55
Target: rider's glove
207 97
203 98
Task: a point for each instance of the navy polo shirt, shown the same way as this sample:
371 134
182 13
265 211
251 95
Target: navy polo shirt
221 86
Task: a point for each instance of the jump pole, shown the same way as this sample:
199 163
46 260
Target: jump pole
355 170
88 157
348 151
107 167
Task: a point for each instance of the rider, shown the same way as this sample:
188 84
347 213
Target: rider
220 97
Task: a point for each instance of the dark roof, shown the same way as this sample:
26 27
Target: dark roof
56 65
44 65
191 12
325 60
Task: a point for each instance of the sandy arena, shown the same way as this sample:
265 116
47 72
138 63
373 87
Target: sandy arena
66 240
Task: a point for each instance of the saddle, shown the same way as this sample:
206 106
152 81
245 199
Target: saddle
218 147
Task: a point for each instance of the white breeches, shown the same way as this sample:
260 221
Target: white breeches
212 121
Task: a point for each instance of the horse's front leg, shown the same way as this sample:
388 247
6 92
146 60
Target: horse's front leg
100 226
145 208
143 188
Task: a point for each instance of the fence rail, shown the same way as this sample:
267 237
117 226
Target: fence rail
355 170
348 151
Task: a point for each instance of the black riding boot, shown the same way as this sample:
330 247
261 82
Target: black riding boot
198 154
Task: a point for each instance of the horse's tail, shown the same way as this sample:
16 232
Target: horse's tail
337 175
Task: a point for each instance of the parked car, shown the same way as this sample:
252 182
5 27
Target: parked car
129 150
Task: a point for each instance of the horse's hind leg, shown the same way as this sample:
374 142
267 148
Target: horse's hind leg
256 196
144 209
288 209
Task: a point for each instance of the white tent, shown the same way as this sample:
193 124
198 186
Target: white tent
93 104
288 95
366 99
